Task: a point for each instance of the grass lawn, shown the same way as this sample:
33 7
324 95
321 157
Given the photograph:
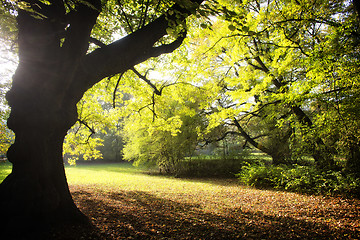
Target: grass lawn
125 203
5 169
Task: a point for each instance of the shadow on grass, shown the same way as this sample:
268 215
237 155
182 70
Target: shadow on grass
139 215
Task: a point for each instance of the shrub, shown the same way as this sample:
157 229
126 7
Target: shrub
302 179
211 167
257 176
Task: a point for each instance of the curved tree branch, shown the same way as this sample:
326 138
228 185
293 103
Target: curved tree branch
129 51
97 42
250 139
115 89
168 48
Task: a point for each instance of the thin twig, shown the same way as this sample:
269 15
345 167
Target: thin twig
91 129
115 89
143 77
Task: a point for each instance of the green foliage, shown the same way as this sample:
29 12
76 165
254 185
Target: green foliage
166 132
287 71
124 16
96 118
112 146
8 28
6 135
5 170
302 179
8 34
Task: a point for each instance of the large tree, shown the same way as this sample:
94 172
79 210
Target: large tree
55 69
289 64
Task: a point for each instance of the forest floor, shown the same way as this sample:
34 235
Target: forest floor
125 203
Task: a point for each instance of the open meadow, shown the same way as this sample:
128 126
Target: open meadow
124 202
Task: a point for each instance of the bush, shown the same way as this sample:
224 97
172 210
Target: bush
210 167
302 179
257 176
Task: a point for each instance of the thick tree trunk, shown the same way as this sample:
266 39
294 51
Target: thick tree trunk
320 152
36 193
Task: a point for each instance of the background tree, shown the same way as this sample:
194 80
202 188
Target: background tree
263 58
163 130
96 119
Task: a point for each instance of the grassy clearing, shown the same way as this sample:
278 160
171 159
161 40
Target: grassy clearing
5 169
125 203
123 177
138 205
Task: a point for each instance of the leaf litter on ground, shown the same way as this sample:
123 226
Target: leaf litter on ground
142 206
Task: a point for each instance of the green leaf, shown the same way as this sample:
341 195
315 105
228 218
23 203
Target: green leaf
232 27
245 28
203 25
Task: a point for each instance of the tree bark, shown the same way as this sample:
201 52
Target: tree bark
36 193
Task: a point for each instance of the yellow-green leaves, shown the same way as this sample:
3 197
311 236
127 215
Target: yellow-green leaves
6 137
259 62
